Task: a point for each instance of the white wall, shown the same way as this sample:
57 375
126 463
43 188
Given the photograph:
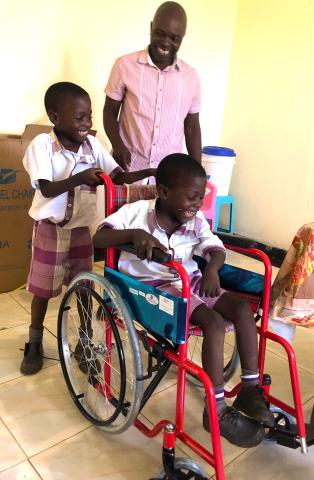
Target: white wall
44 41
269 118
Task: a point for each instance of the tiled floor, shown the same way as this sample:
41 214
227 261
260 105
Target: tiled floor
43 436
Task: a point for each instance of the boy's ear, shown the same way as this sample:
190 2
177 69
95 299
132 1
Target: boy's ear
162 191
53 117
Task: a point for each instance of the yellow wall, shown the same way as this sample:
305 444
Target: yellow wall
269 117
44 41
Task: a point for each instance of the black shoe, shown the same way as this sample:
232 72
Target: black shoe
236 428
33 358
86 358
251 401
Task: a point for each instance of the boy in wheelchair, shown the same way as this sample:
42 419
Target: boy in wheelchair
173 222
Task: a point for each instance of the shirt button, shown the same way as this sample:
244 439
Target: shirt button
69 204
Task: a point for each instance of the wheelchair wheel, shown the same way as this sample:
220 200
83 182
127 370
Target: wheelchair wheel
185 468
231 362
99 353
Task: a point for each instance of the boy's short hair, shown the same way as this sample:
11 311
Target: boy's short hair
178 166
56 93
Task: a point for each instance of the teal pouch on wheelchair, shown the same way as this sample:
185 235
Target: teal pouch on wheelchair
241 280
158 311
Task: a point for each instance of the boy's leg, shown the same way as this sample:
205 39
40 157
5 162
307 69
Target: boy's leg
234 426
45 279
33 351
81 260
250 399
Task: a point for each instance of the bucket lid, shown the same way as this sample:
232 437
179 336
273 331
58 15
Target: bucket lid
221 151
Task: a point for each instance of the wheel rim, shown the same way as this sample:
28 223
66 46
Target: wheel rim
105 347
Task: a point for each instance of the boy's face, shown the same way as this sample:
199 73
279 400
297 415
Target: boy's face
182 201
73 120
166 35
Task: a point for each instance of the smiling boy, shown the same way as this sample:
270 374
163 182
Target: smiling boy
173 221
63 168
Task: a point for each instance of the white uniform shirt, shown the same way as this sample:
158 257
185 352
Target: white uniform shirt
47 159
191 238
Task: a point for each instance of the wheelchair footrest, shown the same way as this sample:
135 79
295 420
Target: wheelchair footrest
288 435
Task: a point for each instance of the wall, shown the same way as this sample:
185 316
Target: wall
269 117
44 41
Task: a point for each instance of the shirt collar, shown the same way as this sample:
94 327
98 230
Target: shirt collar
192 226
85 152
144 57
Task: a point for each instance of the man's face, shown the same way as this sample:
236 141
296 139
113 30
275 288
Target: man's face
166 34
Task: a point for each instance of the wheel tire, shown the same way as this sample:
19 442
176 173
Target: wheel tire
186 468
99 353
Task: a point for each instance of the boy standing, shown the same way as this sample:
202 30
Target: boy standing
173 221
63 167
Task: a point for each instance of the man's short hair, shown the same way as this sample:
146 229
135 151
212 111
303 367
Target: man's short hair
56 93
178 166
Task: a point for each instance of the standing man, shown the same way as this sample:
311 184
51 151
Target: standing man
153 98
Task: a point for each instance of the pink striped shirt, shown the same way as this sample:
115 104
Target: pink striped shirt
155 105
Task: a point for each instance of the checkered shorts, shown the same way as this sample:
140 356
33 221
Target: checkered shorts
58 255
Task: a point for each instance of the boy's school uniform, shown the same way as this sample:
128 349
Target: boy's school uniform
47 159
62 243
191 238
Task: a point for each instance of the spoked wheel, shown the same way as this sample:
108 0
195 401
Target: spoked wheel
231 362
99 353
185 468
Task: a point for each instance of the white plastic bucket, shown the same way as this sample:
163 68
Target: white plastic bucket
218 163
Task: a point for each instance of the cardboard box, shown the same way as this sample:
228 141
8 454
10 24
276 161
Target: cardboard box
16 197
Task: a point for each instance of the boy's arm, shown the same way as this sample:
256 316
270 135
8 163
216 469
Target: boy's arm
131 177
143 242
210 284
87 177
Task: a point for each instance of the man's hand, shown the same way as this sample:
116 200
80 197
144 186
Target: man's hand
122 156
144 243
210 283
90 177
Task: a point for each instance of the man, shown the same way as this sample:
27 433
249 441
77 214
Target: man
153 98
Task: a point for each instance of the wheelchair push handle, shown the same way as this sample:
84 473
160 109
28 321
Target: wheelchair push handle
158 255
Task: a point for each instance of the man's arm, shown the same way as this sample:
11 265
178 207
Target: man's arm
192 132
131 177
111 125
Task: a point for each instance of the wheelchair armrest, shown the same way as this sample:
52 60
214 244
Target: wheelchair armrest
276 255
158 255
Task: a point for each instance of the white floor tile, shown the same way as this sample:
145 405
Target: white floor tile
38 410
10 452
11 313
22 471
93 454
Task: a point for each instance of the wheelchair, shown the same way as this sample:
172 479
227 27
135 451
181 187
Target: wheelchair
109 326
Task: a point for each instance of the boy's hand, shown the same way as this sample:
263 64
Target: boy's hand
90 177
144 243
210 283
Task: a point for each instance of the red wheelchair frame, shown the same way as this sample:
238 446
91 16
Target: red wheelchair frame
215 458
